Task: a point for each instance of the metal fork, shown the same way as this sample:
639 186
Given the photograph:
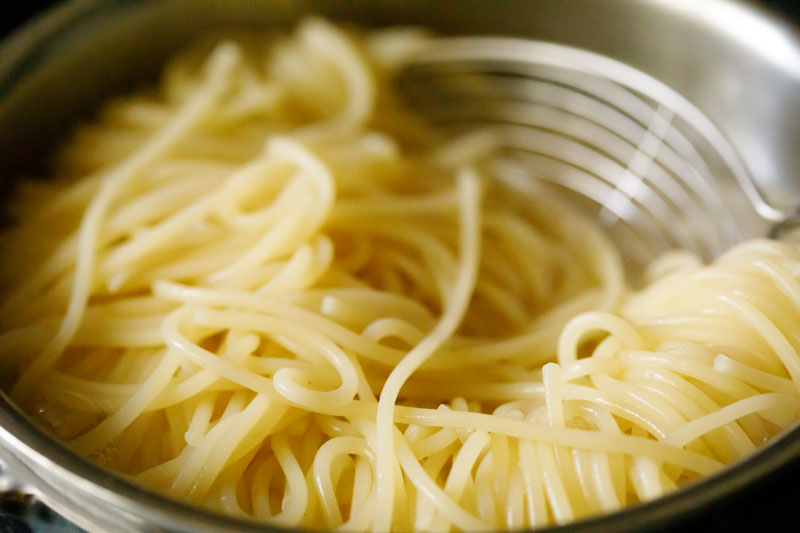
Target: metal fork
653 169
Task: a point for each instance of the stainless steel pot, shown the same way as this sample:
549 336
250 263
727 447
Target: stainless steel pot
738 66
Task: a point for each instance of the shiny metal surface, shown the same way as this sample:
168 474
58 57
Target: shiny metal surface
729 62
655 170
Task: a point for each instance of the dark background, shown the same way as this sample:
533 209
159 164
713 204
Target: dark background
770 506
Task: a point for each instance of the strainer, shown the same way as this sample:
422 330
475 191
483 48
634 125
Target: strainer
652 168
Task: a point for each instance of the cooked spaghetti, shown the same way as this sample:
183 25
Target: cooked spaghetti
264 288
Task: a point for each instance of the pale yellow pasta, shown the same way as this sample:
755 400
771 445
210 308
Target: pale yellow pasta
266 288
